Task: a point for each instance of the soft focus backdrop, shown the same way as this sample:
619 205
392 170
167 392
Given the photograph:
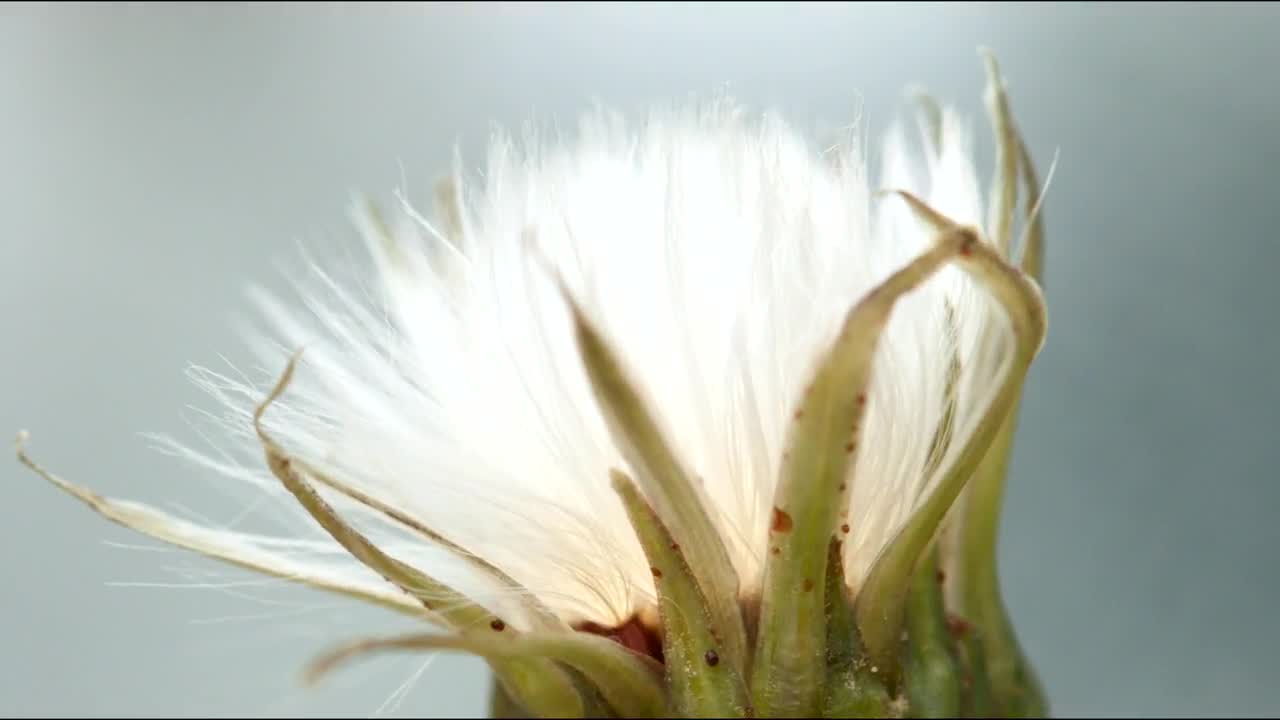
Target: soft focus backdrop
155 159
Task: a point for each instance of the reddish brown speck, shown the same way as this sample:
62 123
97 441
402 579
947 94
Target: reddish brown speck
781 521
675 546
808 585
498 625
966 247
958 626
776 551
634 634
844 528
842 486
656 572
799 413
862 398
849 446
942 577
712 658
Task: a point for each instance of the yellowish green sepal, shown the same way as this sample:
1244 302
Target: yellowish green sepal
787 671
667 485
700 683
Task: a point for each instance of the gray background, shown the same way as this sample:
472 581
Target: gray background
155 159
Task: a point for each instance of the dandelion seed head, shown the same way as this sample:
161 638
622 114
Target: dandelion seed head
717 250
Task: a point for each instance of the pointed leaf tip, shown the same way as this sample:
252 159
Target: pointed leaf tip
1004 184
666 482
431 593
929 117
850 689
229 547
535 683
881 602
700 683
1015 687
789 664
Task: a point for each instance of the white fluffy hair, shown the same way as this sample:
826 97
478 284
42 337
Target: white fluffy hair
718 250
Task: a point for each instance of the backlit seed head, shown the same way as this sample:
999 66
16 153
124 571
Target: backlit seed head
682 420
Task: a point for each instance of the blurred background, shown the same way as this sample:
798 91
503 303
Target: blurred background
155 159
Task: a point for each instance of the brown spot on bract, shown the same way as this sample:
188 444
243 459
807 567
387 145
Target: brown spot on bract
498 625
781 521
656 572
958 626
842 487
808 585
776 551
712 657
942 577
862 398
799 413
849 446
844 528
675 546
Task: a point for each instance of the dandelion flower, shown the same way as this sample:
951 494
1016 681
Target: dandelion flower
670 418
